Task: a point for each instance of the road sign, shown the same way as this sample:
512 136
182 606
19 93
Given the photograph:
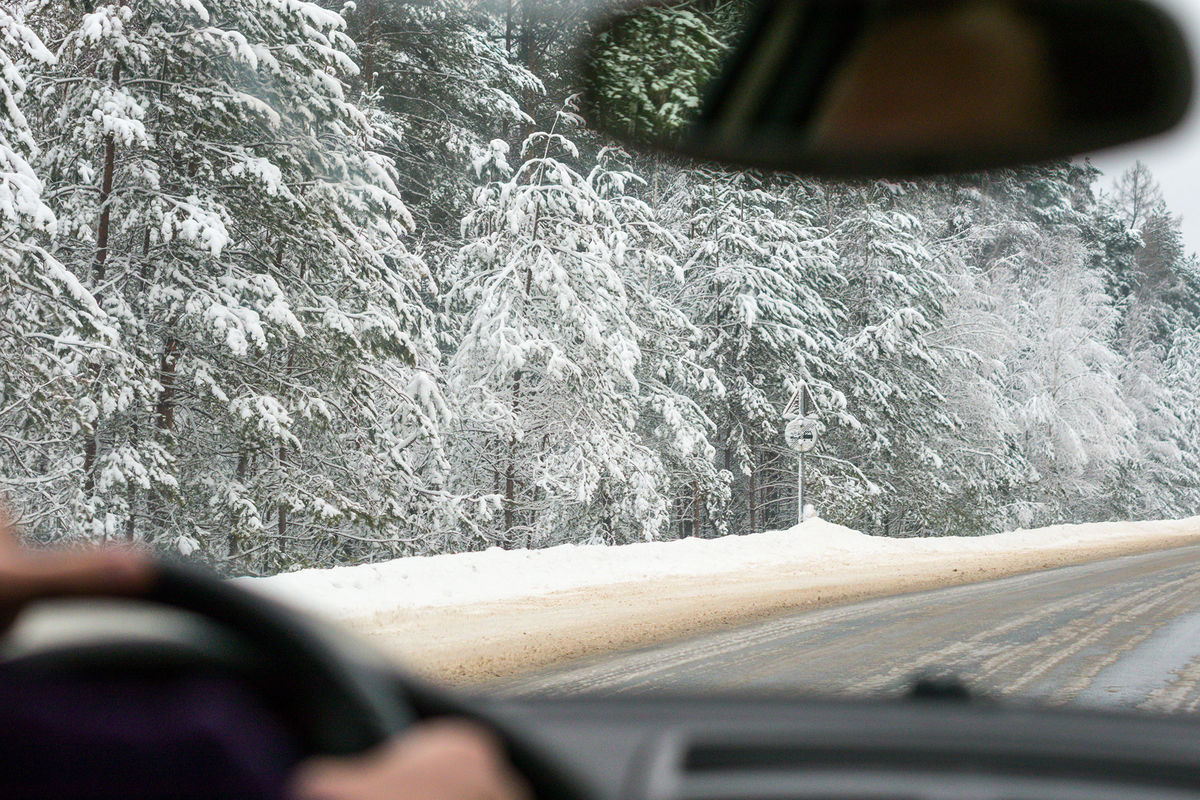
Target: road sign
800 403
801 434
792 409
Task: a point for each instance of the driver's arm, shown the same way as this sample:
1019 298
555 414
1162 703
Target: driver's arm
446 760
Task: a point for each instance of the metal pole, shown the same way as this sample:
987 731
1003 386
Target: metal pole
800 503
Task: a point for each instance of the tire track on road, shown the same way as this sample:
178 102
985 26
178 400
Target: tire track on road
1046 635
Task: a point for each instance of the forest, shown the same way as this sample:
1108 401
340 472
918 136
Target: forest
289 284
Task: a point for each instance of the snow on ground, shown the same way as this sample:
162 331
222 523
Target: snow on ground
472 616
498 575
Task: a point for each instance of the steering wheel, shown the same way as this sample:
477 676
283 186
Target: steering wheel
338 703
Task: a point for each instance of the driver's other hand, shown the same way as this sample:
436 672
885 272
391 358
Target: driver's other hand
441 760
27 575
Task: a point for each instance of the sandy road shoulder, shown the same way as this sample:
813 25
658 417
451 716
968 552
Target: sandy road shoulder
473 644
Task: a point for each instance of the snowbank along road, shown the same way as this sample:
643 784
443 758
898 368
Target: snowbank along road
1122 632
488 616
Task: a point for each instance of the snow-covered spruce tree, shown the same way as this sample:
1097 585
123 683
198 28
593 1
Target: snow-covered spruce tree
1143 259
675 387
49 323
545 379
757 278
966 335
225 202
889 363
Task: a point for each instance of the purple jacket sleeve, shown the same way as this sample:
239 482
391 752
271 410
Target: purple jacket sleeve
109 738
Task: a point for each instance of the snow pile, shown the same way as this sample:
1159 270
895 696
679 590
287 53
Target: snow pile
815 548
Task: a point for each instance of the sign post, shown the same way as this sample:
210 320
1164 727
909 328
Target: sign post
800 494
801 434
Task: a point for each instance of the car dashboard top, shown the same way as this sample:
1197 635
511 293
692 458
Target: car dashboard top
777 748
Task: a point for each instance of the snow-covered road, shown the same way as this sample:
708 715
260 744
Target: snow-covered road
1122 632
479 617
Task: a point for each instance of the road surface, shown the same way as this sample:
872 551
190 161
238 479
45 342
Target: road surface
1122 632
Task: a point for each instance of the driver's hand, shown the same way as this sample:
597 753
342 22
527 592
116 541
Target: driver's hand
27 575
444 760
448 760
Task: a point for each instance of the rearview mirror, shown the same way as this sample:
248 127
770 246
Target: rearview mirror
887 87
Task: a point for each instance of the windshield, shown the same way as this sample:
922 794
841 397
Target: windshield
351 294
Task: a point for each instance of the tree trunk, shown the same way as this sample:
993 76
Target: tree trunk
106 183
283 510
164 410
368 47
775 495
240 472
90 444
752 494
291 359
282 526
131 497
508 27
510 482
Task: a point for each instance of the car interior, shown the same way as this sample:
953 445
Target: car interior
805 89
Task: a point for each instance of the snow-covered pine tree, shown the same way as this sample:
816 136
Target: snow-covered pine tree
49 322
546 377
227 205
441 72
758 275
890 364
674 385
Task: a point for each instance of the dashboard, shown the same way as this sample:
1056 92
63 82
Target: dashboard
787 748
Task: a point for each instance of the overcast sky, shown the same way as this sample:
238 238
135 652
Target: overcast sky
1174 158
